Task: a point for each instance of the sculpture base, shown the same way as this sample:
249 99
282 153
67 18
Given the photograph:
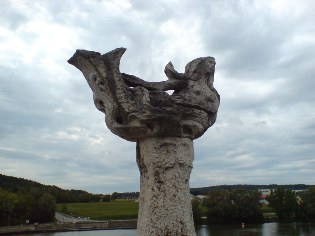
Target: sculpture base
165 165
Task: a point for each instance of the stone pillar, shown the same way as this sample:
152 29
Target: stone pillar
165 165
164 127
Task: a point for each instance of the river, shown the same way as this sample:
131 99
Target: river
267 229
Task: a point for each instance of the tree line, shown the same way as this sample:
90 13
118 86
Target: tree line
26 207
290 206
228 206
205 190
16 185
241 205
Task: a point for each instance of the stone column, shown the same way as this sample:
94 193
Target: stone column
165 165
164 127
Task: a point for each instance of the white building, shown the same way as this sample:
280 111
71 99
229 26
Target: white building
265 191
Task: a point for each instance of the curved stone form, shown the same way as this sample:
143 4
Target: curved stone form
163 126
136 109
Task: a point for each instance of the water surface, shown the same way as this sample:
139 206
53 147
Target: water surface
267 229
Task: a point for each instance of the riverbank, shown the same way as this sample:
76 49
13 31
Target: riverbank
64 227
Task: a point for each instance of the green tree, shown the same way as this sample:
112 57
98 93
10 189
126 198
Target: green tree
306 205
115 196
284 203
8 203
26 207
216 203
106 198
235 206
248 206
46 208
65 197
95 198
85 197
197 211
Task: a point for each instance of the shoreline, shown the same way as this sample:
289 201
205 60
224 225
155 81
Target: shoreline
66 227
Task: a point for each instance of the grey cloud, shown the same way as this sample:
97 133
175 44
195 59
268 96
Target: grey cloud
10 16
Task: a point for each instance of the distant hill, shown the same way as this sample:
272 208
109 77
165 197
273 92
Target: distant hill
20 185
205 190
14 184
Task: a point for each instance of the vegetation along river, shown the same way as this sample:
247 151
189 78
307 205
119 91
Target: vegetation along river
267 229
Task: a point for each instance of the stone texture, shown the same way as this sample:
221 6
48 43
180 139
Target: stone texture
163 126
165 165
136 109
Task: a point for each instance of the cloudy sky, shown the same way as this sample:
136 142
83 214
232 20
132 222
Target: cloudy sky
51 132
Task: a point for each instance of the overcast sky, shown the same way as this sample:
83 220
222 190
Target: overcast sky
51 132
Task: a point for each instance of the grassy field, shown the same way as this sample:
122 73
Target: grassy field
119 210
102 210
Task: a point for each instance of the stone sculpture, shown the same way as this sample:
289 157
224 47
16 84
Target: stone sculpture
163 126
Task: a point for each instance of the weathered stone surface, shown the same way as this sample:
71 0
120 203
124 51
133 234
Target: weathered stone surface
165 165
163 126
136 109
